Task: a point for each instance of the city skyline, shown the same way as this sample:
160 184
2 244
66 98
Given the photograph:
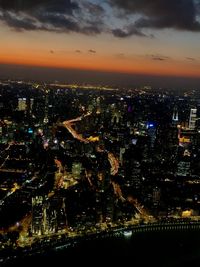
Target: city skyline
100 132
81 164
150 41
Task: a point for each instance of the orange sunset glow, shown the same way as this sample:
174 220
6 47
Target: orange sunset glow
163 51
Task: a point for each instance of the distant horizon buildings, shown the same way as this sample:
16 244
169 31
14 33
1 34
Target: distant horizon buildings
95 77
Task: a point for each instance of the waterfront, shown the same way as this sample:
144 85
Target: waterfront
163 249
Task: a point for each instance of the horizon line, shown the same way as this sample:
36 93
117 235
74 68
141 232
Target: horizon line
106 71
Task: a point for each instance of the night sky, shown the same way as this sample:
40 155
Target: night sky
147 41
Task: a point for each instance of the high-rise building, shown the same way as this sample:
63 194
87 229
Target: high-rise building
49 219
175 118
183 168
46 107
31 104
193 118
22 105
76 169
151 131
122 151
37 215
48 215
61 216
156 196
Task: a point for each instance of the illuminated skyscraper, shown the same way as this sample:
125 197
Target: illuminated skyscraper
61 216
49 219
48 215
122 151
76 169
183 168
31 104
156 196
151 130
175 116
193 118
22 105
37 215
46 108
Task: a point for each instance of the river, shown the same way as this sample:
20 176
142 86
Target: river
160 249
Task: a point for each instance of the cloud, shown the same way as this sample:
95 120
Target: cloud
127 32
77 51
92 51
158 57
51 51
29 6
51 15
18 23
120 56
161 14
190 58
96 17
197 5
94 9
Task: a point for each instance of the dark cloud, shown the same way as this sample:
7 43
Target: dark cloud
160 14
92 51
190 58
197 4
94 9
50 15
58 21
18 23
157 57
127 31
57 6
92 17
78 51
51 51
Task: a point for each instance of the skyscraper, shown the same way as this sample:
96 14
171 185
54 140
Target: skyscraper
193 118
37 215
175 116
22 105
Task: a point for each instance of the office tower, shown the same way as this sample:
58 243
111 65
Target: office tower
46 108
183 167
156 197
193 118
37 227
49 218
31 104
175 118
61 215
121 154
22 105
76 169
151 131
